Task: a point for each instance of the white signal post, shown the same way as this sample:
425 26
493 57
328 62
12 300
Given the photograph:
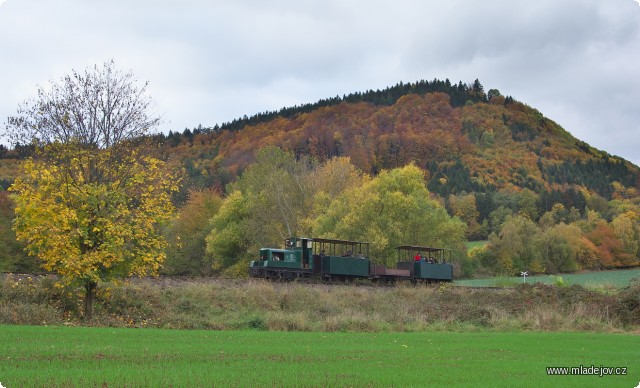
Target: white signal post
524 275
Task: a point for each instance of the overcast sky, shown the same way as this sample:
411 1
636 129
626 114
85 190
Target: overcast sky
208 62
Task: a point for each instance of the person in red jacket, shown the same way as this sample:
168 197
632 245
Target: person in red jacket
417 257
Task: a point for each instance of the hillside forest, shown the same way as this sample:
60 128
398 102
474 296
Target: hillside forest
425 163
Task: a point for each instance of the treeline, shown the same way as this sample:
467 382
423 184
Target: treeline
561 241
460 94
480 146
549 233
485 158
594 174
18 151
468 140
280 195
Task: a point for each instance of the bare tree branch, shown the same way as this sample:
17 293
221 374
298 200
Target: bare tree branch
101 107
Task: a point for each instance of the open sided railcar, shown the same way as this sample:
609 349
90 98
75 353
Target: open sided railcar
428 264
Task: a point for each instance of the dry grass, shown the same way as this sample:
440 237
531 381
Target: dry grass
259 305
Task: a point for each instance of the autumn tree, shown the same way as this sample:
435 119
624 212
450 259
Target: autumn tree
278 185
610 248
464 207
186 234
560 245
515 248
90 201
498 217
391 209
627 229
101 107
229 243
265 206
277 197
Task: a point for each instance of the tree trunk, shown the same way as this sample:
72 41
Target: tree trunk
89 299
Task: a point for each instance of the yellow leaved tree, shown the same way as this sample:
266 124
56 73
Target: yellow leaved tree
89 203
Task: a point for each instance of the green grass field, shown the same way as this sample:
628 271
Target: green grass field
83 356
473 244
602 279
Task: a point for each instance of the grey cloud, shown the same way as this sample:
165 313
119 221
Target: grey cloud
210 62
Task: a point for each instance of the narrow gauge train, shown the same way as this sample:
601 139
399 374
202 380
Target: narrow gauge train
330 259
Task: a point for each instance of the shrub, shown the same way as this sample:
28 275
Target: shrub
628 307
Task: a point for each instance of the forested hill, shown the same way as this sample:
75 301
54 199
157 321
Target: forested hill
467 139
545 200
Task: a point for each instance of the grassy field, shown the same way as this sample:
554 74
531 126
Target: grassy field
473 244
84 356
594 280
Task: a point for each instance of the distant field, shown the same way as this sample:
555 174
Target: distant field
82 356
473 244
614 279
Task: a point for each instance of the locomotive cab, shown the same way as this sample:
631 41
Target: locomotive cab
305 248
290 262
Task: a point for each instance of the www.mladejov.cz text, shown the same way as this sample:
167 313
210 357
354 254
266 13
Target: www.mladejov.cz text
592 370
